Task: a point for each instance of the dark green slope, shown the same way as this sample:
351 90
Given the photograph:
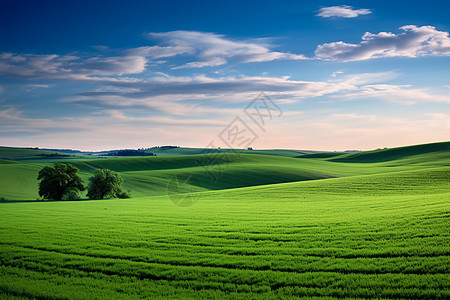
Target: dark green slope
151 175
146 176
383 155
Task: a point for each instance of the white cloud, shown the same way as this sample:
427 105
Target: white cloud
112 129
414 41
404 94
366 78
68 67
103 130
162 120
353 116
43 86
440 116
203 49
168 109
336 73
212 62
11 118
201 95
164 92
157 52
212 49
343 11
109 65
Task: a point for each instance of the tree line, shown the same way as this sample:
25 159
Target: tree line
62 182
130 152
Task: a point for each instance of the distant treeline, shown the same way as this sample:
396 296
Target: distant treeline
130 153
53 155
160 148
112 152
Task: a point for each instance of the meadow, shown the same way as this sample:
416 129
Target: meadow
322 225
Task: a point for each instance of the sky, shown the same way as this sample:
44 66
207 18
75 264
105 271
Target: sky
319 75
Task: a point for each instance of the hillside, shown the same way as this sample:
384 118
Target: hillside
146 176
36 155
383 155
150 175
262 226
368 236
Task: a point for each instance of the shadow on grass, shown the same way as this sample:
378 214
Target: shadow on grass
3 200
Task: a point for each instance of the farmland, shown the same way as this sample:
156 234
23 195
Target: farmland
369 224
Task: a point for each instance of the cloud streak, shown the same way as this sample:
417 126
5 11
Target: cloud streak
214 49
195 49
125 116
71 68
206 97
200 49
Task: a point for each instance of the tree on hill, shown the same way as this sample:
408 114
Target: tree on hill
106 183
60 181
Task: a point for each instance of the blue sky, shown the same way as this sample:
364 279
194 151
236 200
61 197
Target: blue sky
334 75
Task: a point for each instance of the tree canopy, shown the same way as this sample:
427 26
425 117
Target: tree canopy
58 181
106 183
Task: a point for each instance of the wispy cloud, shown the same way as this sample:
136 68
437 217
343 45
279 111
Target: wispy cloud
405 94
44 86
127 116
201 95
69 67
210 49
162 120
414 41
342 11
12 118
165 93
201 49
109 129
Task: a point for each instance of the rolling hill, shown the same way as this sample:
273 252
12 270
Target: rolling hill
146 176
378 230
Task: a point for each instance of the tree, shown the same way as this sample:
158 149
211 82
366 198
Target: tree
106 183
58 181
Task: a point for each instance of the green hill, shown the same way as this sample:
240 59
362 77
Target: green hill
146 176
32 155
10 153
364 225
367 236
150 175
384 155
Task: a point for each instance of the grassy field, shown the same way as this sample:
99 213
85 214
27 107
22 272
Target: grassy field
370 225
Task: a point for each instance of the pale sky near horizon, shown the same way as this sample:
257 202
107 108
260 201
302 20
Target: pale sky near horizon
323 75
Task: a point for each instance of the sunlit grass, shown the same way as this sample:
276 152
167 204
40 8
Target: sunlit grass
380 230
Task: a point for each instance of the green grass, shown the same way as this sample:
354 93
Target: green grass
10 153
379 230
271 241
19 181
148 176
151 175
35 155
383 155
